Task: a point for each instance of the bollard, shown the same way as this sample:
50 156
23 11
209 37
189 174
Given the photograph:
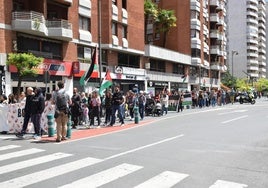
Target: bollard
69 128
50 122
136 115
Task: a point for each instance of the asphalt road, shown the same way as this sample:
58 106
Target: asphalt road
220 147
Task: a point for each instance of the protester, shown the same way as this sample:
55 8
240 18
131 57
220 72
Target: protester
117 101
62 101
27 111
37 108
76 109
95 106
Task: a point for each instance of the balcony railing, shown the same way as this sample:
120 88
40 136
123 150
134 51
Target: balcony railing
34 23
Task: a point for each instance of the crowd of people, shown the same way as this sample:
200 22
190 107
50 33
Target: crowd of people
87 109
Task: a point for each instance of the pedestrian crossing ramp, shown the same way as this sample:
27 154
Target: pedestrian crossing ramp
33 178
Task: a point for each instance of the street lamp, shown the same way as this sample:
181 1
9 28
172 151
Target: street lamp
233 53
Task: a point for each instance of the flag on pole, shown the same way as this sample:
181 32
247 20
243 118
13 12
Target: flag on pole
106 83
184 78
93 71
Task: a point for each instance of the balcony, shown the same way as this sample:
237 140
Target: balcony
215 50
29 22
60 29
195 24
214 33
195 43
165 54
34 23
215 3
214 17
195 5
124 16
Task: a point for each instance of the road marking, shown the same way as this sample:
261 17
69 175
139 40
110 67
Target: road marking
20 153
8 147
32 162
228 121
143 147
46 174
227 184
104 177
163 180
230 112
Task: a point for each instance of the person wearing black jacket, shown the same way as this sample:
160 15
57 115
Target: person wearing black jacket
117 101
27 110
37 108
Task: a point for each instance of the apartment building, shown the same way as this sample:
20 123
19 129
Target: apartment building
196 48
65 32
247 38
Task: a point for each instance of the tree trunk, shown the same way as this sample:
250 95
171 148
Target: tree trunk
18 87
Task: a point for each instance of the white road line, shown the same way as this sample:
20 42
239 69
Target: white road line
46 174
227 184
104 177
164 180
143 147
8 147
20 153
228 121
230 112
32 162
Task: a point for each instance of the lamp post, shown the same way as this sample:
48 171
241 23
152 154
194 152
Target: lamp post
233 53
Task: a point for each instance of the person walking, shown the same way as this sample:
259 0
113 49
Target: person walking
62 101
37 108
95 106
117 101
141 103
27 111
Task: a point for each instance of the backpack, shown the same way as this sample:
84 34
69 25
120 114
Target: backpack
61 101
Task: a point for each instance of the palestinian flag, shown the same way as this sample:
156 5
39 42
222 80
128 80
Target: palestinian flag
93 71
106 83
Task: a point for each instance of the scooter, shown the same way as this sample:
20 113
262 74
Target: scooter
246 99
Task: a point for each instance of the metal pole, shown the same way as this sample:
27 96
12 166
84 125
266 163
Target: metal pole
233 53
99 39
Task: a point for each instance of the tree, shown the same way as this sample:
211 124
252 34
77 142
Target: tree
151 12
261 85
165 20
228 80
26 65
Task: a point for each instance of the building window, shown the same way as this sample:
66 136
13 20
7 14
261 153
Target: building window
196 52
84 23
178 69
124 31
124 4
84 54
128 60
114 28
157 65
40 47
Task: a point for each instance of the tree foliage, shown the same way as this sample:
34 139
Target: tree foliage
162 18
26 65
165 20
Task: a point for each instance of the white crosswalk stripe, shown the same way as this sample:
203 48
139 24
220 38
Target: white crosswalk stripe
164 180
19 153
49 173
8 147
227 184
104 177
32 162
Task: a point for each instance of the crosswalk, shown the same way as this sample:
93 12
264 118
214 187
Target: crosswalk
164 179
